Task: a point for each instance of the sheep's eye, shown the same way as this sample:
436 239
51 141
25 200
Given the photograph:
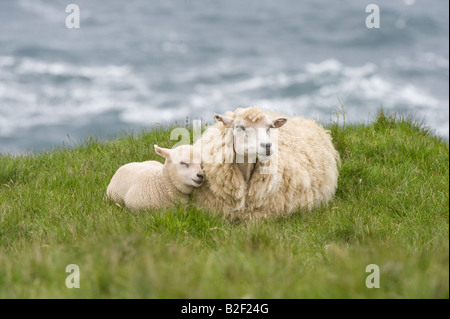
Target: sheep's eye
185 164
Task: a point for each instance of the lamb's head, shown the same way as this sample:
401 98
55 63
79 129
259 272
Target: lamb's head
252 130
183 166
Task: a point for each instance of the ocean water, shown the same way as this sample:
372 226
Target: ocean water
138 63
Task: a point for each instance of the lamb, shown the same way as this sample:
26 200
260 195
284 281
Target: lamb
151 184
290 164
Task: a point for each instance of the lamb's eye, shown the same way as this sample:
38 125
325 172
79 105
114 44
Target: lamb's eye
185 164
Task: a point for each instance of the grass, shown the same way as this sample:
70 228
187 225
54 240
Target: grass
391 209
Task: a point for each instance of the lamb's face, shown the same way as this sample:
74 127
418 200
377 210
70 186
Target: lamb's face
186 165
254 139
183 164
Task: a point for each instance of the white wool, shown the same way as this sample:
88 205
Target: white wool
305 177
154 185
144 185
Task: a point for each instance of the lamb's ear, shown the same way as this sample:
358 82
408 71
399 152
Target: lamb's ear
227 121
279 122
164 152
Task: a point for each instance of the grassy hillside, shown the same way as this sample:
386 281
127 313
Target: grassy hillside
391 209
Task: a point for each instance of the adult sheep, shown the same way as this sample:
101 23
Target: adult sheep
253 173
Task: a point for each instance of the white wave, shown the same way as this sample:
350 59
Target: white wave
428 61
361 89
46 102
33 66
155 115
6 61
327 66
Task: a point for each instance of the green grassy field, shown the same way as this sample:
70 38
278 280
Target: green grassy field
391 209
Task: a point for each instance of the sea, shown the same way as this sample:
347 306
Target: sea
139 64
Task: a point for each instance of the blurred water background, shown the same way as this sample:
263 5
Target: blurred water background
136 63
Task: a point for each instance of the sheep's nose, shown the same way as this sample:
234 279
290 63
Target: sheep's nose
267 146
200 175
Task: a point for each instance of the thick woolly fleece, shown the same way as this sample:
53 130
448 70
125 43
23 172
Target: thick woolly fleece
303 174
144 185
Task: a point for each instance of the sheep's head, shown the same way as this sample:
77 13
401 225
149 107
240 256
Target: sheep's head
253 133
183 164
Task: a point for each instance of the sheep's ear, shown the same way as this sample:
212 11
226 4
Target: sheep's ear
227 121
164 152
279 122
